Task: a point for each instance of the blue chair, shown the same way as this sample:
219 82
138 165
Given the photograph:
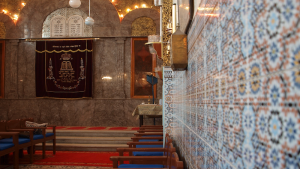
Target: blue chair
15 125
6 148
46 136
22 142
150 129
173 159
157 144
146 142
150 134
148 161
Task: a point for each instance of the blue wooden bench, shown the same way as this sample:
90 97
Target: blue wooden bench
6 148
169 161
15 125
46 136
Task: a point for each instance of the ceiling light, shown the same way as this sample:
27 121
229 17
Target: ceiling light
75 3
89 20
106 77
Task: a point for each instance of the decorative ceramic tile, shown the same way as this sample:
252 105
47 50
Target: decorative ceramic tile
238 103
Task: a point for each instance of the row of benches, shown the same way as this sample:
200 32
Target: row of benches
147 151
12 139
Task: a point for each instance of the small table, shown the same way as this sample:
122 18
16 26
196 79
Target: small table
151 110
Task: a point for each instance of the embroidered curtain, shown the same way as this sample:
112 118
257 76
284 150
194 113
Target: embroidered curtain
64 69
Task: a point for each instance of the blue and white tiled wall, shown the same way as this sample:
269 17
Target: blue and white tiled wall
167 100
238 103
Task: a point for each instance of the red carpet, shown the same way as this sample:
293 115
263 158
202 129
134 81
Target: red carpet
72 158
76 128
118 128
93 128
57 127
97 128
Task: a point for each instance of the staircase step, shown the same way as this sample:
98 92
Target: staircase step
82 147
89 140
94 133
92 140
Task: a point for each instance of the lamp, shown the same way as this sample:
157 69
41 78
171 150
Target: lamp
75 3
89 20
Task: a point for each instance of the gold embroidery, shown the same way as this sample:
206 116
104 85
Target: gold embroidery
64 51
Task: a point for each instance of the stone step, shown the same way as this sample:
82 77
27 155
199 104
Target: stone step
82 147
91 140
94 133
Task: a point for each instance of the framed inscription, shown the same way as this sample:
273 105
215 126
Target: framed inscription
142 64
71 27
75 26
58 27
2 59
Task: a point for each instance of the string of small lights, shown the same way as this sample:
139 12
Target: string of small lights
12 8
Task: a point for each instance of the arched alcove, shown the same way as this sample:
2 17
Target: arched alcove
34 14
65 18
143 26
7 27
2 30
126 24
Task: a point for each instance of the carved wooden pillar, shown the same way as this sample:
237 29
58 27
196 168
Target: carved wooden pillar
120 66
11 71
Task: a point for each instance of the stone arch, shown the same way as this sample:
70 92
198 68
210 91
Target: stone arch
8 24
33 15
126 23
2 30
143 26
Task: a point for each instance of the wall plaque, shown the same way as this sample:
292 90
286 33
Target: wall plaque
58 26
75 26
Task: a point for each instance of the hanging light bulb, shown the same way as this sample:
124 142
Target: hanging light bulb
89 20
75 3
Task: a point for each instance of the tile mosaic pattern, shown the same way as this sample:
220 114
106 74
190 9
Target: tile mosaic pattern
167 100
238 103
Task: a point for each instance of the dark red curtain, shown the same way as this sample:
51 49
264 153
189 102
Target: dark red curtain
64 69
